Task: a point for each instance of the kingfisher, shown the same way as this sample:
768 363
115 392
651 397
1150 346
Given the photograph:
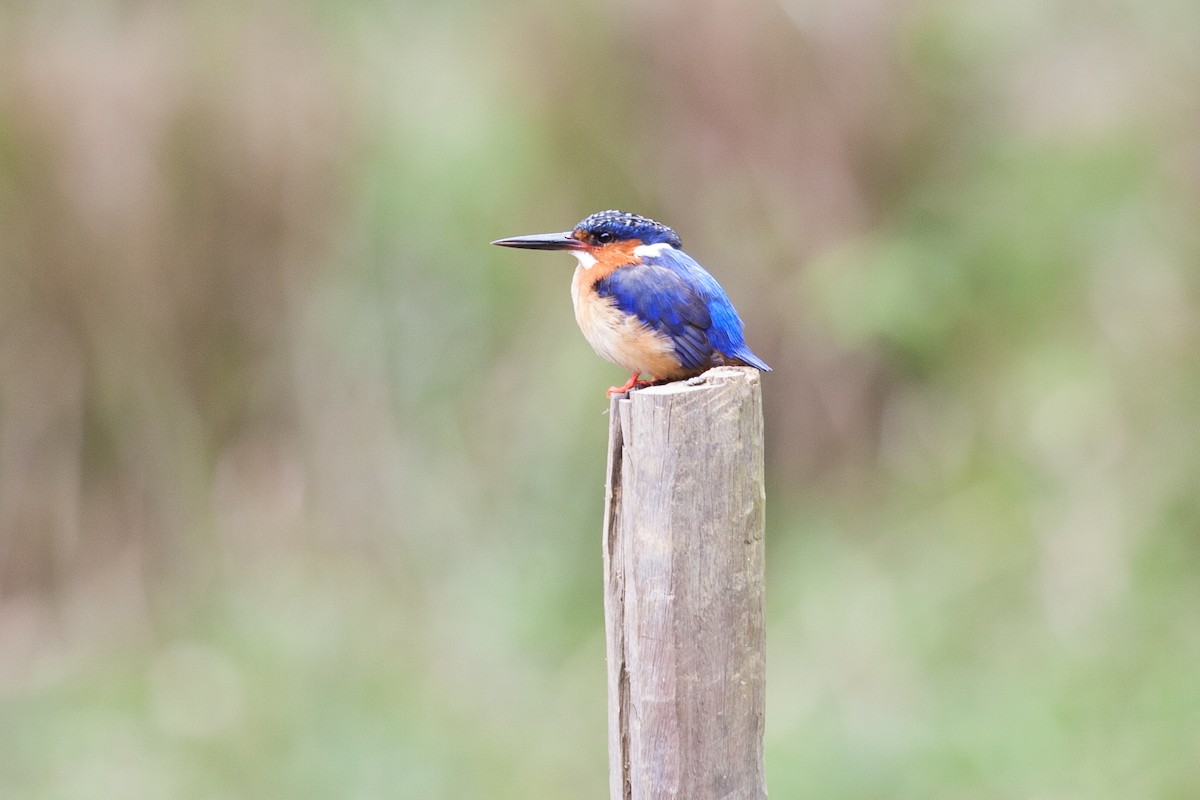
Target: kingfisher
644 304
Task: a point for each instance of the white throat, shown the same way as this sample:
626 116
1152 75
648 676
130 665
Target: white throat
586 259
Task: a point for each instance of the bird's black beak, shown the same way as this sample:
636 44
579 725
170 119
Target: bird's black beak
543 241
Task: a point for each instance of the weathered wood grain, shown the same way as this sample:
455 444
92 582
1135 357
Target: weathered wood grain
683 565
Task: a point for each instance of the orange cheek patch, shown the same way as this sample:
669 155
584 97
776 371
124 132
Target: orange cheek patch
612 256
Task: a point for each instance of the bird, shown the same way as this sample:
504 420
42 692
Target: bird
643 303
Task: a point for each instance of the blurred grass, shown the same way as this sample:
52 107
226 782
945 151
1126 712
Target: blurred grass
300 482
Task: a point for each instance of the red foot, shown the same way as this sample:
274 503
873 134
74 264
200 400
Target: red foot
632 383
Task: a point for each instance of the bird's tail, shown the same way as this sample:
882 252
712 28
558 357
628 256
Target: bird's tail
744 357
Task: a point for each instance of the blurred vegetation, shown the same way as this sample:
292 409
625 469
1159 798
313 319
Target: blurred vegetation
300 481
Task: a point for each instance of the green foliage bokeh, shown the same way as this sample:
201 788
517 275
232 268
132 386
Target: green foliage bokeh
301 481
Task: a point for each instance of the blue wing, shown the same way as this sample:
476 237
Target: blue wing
664 301
675 296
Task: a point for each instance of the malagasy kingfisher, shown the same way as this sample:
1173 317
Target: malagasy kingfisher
644 304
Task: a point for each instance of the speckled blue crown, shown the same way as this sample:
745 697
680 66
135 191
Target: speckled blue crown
623 226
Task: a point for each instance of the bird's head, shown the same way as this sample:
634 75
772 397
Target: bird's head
615 232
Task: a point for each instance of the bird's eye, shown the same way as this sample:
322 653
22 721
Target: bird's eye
604 237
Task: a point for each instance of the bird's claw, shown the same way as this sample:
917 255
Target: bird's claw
634 382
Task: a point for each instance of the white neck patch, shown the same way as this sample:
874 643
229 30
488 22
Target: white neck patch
644 250
586 259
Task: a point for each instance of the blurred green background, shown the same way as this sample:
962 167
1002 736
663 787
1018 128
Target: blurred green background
301 481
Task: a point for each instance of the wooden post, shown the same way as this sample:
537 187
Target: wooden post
683 595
